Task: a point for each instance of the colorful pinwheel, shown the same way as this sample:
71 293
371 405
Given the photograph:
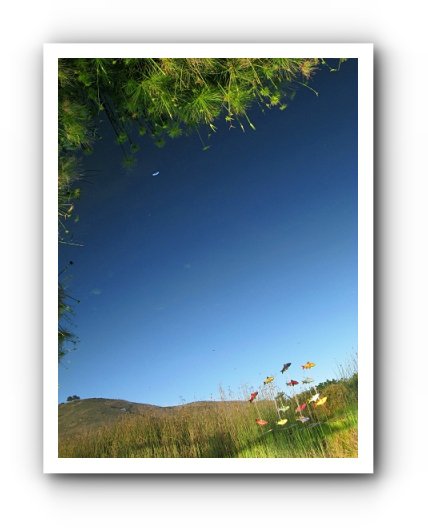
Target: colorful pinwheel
284 409
314 398
303 419
292 383
307 380
269 379
301 408
285 367
252 396
259 421
321 401
308 365
282 422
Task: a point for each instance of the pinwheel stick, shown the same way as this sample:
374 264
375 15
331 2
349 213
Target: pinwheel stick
297 401
258 410
293 393
313 386
272 392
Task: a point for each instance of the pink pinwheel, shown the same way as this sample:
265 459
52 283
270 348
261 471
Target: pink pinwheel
253 396
301 408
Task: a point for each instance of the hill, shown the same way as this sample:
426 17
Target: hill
94 413
113 428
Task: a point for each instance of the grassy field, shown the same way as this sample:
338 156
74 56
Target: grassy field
118 429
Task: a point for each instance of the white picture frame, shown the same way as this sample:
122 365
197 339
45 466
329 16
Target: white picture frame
364 463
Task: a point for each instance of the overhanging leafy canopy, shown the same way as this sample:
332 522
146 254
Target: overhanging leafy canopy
162 98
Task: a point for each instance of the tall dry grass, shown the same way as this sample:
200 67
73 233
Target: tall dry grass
228 430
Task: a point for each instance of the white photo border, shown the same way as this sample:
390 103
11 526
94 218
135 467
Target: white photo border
364 463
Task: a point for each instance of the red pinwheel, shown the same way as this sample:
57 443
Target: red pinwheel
253 396
259 421
301 408
292 383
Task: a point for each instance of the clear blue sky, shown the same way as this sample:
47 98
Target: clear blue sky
227 264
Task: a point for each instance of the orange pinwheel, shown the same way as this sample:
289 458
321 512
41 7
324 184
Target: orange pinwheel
308 365
301 408
259 421
292 383
252 396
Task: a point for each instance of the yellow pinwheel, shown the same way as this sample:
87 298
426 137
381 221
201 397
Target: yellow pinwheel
308 365
321 401
282 422
269 379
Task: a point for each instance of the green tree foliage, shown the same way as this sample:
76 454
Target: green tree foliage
66 338
162 98
337 395
352 384
165 98
324 384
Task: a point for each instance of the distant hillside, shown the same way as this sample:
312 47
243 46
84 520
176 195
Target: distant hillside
93 413
107 428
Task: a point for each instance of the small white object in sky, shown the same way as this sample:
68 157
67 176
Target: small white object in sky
155 173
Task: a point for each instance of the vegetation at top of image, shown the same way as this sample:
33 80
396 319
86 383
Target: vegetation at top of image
161 98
